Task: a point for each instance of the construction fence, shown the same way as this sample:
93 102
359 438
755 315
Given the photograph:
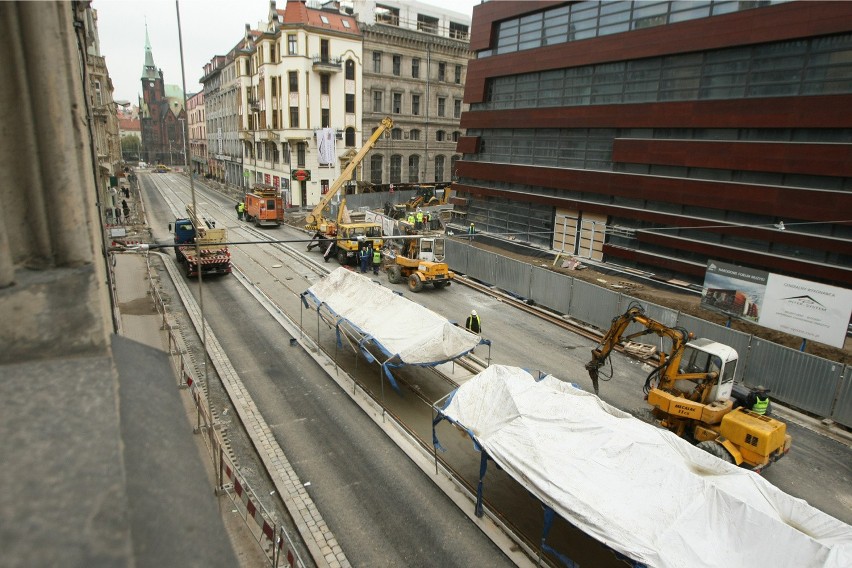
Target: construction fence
271 538
801 380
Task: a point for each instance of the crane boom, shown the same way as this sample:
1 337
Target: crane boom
315 217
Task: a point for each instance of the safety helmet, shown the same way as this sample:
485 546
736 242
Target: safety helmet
473 312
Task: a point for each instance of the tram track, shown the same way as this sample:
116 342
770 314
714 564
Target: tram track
298 261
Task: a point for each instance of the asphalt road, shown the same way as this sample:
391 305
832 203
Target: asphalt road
315 412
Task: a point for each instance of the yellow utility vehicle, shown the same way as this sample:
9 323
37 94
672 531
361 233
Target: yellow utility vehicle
690 394
344 235
421 262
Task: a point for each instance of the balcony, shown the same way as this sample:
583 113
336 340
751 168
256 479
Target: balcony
326 63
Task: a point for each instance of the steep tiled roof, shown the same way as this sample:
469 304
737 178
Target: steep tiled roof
128 124
296 12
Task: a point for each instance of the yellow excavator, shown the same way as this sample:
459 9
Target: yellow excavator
345 236
690 394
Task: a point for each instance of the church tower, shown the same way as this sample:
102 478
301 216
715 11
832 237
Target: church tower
152 107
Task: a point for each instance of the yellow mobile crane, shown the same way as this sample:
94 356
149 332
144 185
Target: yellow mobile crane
690 392
345 235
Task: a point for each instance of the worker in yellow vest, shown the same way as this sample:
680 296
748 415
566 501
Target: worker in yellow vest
377 260
758 400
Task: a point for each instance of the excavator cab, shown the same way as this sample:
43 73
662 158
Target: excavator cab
711 358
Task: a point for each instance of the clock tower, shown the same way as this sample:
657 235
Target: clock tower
152 107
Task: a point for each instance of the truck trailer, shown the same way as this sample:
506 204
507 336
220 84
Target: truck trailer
200 245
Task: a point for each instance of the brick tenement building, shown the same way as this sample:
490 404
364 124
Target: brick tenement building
659 136
160 112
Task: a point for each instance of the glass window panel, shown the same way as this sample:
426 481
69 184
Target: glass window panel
772 90
827 87
693 14
724 7
613 29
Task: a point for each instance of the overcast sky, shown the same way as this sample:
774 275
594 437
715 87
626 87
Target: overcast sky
209 27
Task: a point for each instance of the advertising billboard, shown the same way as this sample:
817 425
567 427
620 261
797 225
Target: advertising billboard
805 309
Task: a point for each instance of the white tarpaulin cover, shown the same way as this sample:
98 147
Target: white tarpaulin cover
402 329
637 488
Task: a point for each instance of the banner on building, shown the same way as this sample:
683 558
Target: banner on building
799 307
325 146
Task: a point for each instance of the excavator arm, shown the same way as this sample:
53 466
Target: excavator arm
315 217
668 366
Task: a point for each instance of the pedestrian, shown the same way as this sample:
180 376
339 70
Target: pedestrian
109 215
377 260
365 254
118 215
125 210
473 324
471 231
758 400
126 192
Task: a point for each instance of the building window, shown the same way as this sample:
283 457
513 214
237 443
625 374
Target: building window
293 79
350 137
377 101
415 105
99 101
292 45
350 104
440 135
427 24
294 117
350 70
442 71
301 153
458 31
325 54
413 169
442 106
414 134
325 118
396 134
325 82
457 108
456 135
453 161
415 67
397 103
376 169
458 74
396 169
439 168
377 62
397 65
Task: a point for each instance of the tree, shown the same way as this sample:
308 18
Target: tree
130 146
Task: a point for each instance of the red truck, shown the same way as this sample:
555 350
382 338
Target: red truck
264 206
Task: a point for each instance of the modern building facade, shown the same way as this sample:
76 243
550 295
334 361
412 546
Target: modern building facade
197 127
661 135
416 58
161 110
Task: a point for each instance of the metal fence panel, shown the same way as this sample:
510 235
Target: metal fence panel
455 254
666 316
481 265
377 200
551 289
799 379
512 276
738 340
593 304
842 413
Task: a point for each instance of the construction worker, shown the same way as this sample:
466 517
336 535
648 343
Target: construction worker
377 260
758 400
418 220
241 210
473 324
428 219
365 255
471 231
